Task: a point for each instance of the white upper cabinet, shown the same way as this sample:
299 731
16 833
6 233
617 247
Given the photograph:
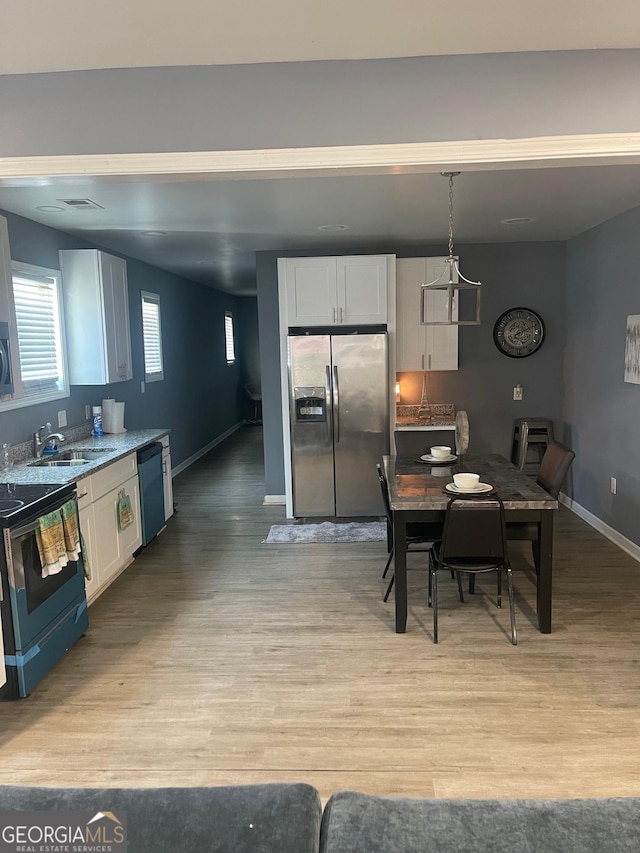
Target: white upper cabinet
333 291
96 317
421 347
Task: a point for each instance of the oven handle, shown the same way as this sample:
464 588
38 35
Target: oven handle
30 527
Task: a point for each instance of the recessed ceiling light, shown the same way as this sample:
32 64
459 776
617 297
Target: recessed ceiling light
154 233
517 220
333 227
50 208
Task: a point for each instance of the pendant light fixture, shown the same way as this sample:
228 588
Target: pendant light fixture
445 309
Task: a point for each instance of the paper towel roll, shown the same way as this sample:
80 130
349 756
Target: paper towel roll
117 421
107 414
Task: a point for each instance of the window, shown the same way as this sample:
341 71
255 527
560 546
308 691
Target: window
152 337
228 337
37 304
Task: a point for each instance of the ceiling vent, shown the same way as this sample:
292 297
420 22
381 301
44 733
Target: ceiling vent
80 203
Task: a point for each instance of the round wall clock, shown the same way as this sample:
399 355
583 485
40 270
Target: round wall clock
518 332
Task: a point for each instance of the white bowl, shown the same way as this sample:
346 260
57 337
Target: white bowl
440 451
466 481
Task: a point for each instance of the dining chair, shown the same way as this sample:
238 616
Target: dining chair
462 433
530 433
554 467
418 533
473 541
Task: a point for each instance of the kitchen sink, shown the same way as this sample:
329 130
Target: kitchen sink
68 458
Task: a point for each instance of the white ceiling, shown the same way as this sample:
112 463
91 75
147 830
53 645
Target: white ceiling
61 35
214 227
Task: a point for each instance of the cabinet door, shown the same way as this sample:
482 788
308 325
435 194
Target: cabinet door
116 317
311 291
87 526
441 341
362 289
96 317
131 536
421 347
410 334
114 547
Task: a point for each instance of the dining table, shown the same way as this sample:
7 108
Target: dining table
418 493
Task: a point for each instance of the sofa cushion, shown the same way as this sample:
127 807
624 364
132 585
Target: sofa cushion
239 819
357 823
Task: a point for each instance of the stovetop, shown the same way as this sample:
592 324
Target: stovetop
18 499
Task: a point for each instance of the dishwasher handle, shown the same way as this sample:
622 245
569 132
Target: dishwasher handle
149 451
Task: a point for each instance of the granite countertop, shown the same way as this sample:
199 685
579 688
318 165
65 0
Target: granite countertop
417 424
414 485
431 417
119 444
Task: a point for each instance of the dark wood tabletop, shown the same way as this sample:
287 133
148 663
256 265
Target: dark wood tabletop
419 485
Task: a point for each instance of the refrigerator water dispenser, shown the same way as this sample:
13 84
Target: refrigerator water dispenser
310 405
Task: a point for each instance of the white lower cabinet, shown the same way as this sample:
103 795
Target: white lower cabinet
109 549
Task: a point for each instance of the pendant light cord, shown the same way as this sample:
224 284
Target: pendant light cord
450 215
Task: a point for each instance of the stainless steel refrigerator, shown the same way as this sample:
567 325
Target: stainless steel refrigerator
339 410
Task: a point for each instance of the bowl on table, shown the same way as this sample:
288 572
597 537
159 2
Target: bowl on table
440 451
466 482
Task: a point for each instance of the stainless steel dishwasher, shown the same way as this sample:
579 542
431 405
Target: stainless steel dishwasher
151 490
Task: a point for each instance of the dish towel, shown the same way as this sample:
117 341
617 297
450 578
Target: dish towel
58 538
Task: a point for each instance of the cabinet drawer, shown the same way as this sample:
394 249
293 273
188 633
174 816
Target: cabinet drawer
110 477
85 492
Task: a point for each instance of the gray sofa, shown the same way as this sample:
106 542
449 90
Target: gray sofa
288 818
243 819
356 823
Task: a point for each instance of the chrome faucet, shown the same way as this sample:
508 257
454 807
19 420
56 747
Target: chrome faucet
40 441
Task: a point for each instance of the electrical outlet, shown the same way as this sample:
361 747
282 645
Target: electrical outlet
614 486
87 413
517 392
62 419
142 389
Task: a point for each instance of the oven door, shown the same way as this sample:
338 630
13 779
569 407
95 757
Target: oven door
37 602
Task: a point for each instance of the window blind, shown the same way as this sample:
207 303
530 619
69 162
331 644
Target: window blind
39 337
152 337
228 338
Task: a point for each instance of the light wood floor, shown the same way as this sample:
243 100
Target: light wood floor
217 659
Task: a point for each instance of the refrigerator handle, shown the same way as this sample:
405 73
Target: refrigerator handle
327 391
336 403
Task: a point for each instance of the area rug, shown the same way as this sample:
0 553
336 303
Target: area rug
352 531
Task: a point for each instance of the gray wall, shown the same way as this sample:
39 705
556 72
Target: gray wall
529 274
249 355
201 396
320 103
601 410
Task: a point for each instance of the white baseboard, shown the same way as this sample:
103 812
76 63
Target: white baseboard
274 500
187 462
618 539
